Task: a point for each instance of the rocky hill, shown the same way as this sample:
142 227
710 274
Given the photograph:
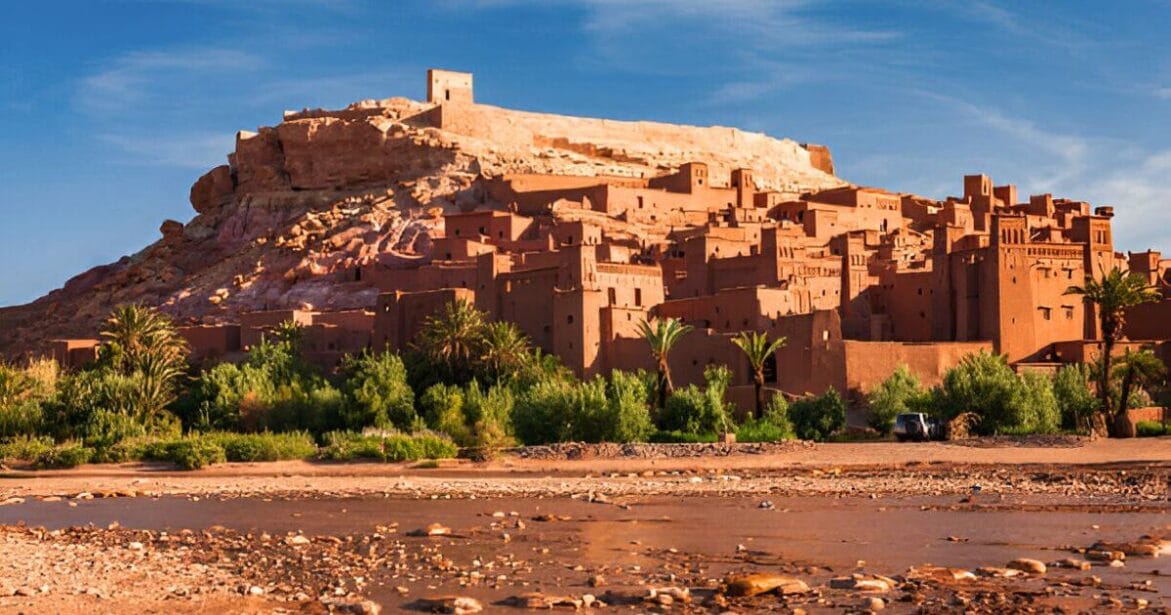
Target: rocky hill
303 205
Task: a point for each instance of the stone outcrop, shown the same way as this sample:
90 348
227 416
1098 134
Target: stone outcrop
302 207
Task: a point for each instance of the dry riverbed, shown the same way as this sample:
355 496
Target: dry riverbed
1000 527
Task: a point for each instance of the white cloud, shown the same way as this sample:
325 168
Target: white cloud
133 78
188 150
1164 93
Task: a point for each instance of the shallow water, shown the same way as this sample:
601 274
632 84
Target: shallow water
889 535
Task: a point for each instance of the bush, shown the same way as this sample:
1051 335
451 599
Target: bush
487 417
1147 429
346 446
986 386
541 414
692 410
1075 399
377 393
264 446
25 448
898 394
68 455
626 415
105 429
1037 411
442 406
21 418
273 390
189 453
818 418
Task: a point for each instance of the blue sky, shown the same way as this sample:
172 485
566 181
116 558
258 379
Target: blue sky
110 110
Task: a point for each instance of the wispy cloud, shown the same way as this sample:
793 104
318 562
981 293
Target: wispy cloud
131 79
177 148
1164 93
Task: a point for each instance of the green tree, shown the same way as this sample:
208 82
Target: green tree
504 349
757 349
898 394
1111 296
454 338
818 418
142 345
1138 371
1075 398
377 393
662 336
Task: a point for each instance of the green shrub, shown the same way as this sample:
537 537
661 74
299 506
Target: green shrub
273 390
1037 411
1075 399
21 418
772 427
264 446
818 418
984 384
487 417
693 410
189 453
68 455
1147 429
346 446
898 394
105 429
541 414
25 448
443 411
377 393
626 415
195 453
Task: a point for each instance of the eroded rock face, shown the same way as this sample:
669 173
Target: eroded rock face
303 206
213 190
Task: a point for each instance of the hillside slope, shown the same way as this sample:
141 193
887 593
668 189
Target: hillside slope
303 205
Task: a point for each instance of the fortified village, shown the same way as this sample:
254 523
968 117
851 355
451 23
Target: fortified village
360 223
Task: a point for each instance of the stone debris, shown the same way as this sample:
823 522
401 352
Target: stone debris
434 529
763 582
457 605
1024 564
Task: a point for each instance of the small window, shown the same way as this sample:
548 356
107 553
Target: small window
1046 313
569 319
638 297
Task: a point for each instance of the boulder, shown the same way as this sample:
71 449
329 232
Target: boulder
457 605
1024 564
212 190
763 582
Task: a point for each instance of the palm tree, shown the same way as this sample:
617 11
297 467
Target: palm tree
504 348
1138 369
662 337
1112 295
453 337
135 332
143 346
758 349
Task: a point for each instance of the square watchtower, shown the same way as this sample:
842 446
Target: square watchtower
446 86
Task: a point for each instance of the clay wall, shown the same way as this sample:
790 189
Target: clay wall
74 353
254 325
868 364
399 316
211 342
1148 321
487 226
